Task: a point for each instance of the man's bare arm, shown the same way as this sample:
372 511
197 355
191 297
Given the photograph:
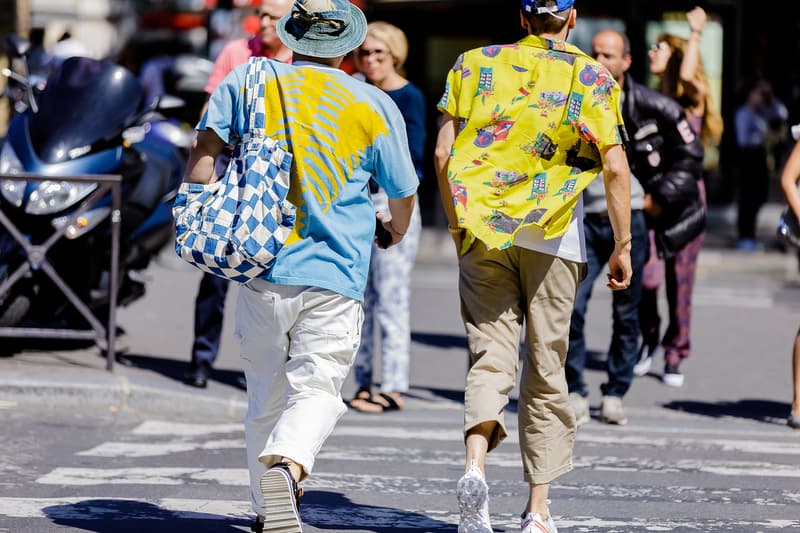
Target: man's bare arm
444 145
617 176
200 167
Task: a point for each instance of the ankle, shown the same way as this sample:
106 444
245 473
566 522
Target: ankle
295 469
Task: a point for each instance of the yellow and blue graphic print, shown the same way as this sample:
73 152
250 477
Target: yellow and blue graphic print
341 132
312 129
532 125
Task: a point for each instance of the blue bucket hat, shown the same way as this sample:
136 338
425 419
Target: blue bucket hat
529 6
323 28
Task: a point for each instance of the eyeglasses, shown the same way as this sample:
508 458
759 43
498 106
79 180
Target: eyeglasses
379 54
659 46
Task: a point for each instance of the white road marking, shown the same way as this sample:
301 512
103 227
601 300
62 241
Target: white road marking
146 449
353 516
157 427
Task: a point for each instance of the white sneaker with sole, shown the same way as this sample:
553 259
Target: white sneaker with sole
473 502
611 411
580 406
281 513
533 523
672 376
645 362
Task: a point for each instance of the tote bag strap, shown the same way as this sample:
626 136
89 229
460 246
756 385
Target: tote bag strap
255 77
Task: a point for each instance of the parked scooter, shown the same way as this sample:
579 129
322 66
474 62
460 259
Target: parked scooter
88 119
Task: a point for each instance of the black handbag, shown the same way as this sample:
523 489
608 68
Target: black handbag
789 228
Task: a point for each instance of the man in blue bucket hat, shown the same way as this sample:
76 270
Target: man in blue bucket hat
299 324
527 126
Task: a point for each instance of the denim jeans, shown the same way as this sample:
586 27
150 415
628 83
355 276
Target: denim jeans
209 308
623 350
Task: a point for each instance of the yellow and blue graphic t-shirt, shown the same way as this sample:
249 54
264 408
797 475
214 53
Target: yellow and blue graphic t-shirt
340 132
532 119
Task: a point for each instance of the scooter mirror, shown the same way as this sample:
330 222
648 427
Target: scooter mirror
16 46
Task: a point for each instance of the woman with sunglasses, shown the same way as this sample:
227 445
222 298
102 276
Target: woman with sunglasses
679 67
387 298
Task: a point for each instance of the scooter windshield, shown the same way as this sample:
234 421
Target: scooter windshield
85 101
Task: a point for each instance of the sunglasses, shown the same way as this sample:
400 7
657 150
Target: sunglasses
659 46
379 54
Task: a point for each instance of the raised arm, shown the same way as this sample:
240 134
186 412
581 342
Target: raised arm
691 57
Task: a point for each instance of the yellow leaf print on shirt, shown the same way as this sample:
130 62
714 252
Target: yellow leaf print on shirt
326 129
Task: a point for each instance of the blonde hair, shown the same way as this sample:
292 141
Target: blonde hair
395 40
712 128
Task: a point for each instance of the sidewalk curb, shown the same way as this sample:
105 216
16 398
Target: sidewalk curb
120 392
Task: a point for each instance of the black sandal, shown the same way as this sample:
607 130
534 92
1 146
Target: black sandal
363 393
386 404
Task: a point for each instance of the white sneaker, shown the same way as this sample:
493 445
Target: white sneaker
611 411
672 376
580 405
533 523
280 506
473 502
645 362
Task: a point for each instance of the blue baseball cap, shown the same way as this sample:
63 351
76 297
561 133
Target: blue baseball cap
529 6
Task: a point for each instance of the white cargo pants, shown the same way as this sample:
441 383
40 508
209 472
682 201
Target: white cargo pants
297 347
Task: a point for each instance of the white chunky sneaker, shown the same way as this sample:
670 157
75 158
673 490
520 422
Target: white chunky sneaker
580 405
473 502
281 501
533 523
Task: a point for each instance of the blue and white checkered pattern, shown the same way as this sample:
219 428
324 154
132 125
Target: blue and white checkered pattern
234 227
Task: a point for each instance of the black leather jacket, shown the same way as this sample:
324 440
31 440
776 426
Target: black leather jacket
666 156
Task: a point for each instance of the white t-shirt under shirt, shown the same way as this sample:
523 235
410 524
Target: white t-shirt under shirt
570 246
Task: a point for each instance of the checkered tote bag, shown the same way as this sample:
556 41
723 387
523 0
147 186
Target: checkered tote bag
234 227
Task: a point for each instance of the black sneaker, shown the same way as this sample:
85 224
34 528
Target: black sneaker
197 376
672 376
281 506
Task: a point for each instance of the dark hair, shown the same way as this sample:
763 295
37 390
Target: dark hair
545 22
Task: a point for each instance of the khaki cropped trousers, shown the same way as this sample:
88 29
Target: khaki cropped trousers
498 289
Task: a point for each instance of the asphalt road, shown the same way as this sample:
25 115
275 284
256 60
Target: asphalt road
712 456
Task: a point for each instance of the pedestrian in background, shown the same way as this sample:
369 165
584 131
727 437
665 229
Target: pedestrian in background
387 298
299 325
209 307
612 49
513 206
757 122
677 64
789 179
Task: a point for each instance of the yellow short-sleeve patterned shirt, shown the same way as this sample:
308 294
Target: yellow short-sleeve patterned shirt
532 119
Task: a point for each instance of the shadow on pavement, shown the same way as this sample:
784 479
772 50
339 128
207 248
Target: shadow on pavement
440 340
333 511
173 369
131 516
760 410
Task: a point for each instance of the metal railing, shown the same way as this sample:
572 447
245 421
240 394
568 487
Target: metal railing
36 259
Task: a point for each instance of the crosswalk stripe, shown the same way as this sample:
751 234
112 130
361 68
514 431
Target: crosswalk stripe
147 449
158 427
354 516
239 476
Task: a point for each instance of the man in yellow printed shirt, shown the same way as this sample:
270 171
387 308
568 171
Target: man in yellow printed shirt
527 126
